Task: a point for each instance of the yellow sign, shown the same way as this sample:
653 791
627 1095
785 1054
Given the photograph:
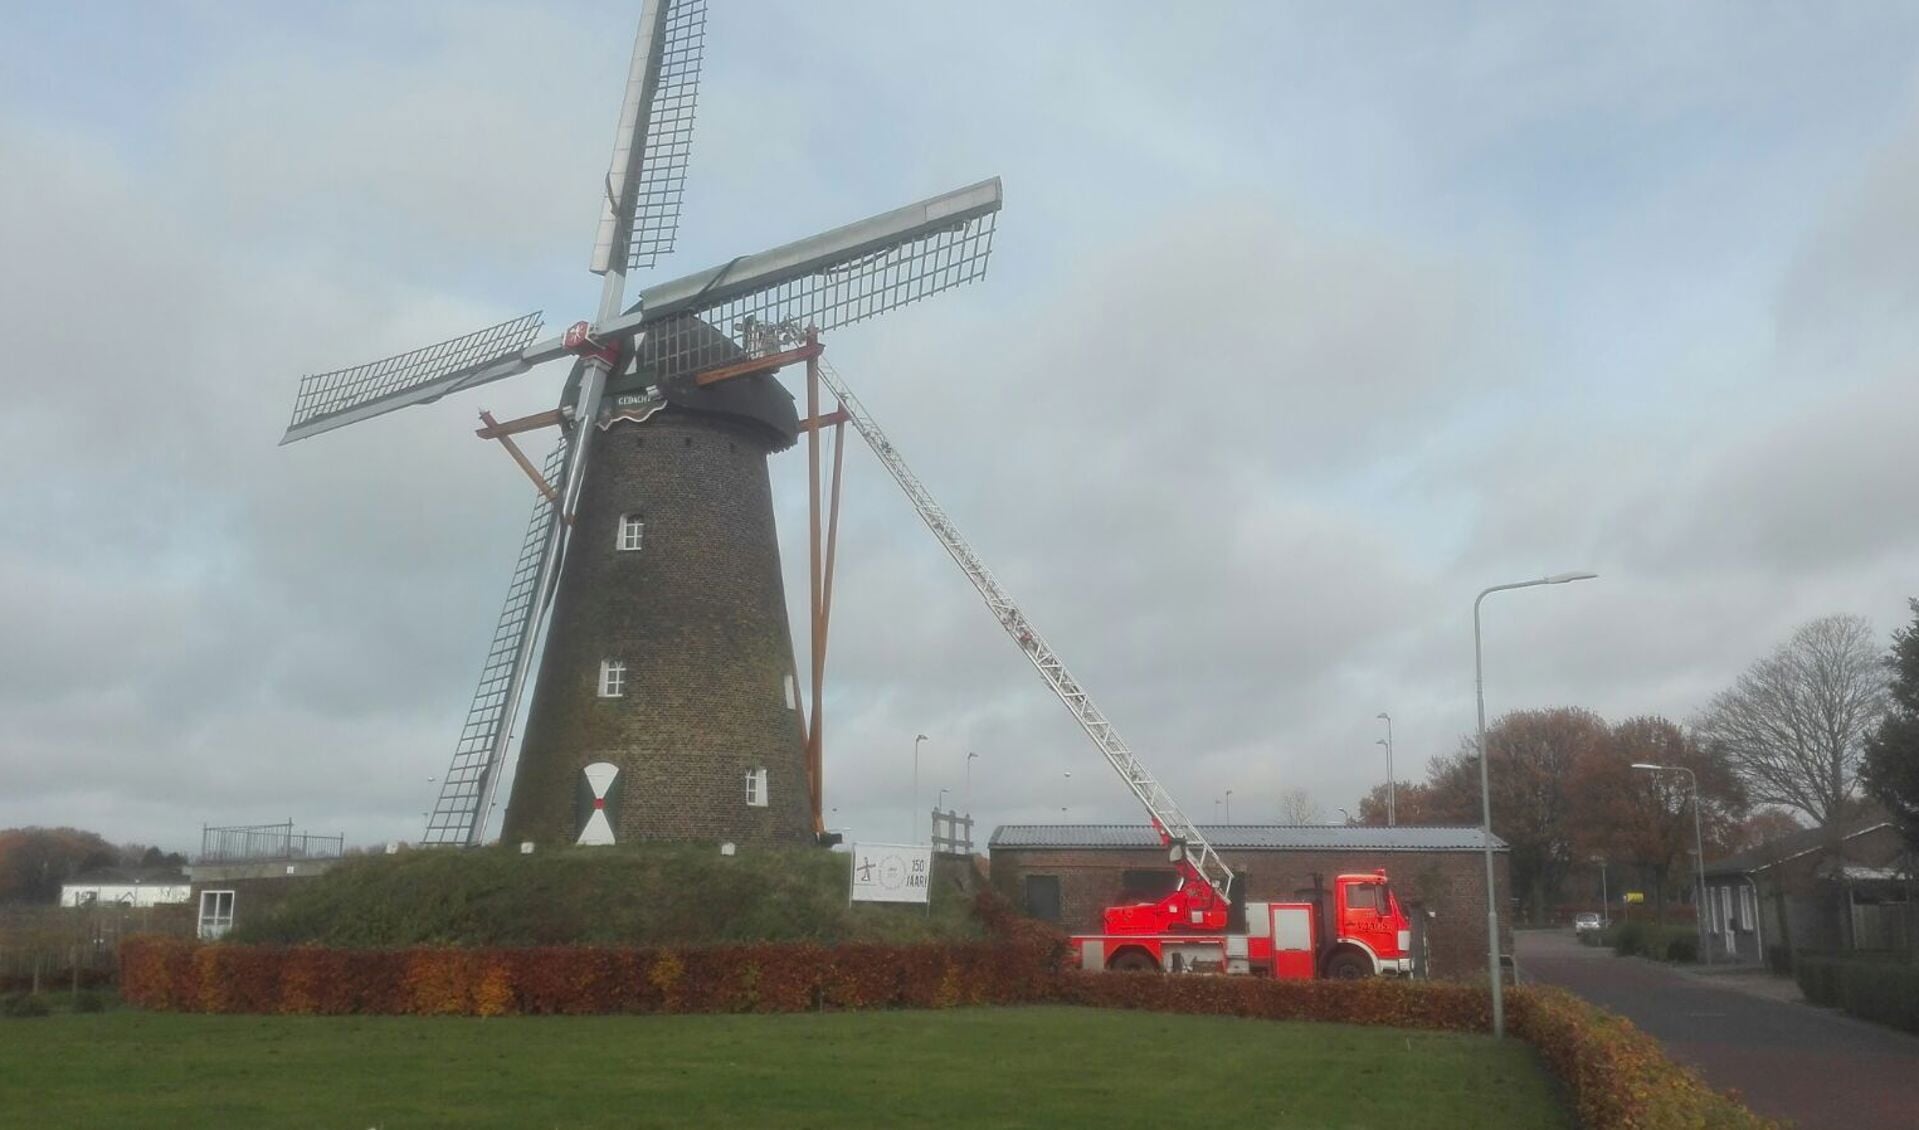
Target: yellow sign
1635 896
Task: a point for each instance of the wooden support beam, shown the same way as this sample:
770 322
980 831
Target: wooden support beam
772 362
837 416
816 786
523 424
532 472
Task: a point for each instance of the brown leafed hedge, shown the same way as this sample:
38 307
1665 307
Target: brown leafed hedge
175 976
1615 1076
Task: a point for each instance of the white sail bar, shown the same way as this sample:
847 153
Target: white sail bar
1160 803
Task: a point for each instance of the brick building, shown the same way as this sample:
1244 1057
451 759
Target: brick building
1070 873
669 657
1840 889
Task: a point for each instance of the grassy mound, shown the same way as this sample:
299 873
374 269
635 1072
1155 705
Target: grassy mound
643 895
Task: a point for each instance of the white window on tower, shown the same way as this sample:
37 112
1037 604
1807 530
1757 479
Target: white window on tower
756 788
612 678
216 915
792 692
632 530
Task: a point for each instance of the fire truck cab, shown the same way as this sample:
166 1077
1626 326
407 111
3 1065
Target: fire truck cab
1354 928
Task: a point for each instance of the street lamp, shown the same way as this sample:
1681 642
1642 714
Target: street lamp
1229 806
1486 793
1392 816
1699 868
913 835
1605 900
942 797
969 782
1068 788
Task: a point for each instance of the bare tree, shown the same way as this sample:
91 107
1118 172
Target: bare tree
1297 806
1794 726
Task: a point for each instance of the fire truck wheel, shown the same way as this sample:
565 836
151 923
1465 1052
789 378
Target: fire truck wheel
1134 961
1348 966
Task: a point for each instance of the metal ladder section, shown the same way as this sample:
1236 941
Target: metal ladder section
1160 803
459 817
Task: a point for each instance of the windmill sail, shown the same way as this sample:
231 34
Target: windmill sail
331 400
646 181
466 791
764 302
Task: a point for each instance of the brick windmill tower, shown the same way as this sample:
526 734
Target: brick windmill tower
667 703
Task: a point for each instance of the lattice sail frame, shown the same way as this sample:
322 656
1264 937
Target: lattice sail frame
862 286
669 135
344 395
466 792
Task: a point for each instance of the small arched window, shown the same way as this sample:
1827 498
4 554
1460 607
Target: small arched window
632 531
612 678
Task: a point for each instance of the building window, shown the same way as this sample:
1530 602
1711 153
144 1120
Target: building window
1725 910
216 915
1748 909
792 692
632 530
612 678
756 788
1042 897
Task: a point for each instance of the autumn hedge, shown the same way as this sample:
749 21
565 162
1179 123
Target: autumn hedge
1615 1076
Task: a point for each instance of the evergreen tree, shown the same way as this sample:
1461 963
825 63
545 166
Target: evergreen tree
1891 769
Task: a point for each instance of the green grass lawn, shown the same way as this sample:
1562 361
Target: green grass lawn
1040 1067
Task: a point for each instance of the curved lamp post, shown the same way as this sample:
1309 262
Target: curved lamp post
913 835
1698 846
1486 795
1392 814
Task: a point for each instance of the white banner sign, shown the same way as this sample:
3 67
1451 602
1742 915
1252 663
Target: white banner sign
891 872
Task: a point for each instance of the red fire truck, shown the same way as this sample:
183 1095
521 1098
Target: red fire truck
1353 929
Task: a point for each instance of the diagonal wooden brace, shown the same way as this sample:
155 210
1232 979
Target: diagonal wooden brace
495 430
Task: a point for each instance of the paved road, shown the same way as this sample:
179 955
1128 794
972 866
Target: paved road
1810 1066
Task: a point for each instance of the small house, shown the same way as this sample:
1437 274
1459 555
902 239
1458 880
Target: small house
1846 888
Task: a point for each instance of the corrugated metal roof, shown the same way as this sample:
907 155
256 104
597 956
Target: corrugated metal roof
1228 837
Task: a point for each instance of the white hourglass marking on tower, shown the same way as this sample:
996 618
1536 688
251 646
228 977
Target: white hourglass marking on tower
598 830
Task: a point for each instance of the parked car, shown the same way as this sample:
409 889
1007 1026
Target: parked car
1584 923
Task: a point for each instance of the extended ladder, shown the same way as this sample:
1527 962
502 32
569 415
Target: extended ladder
1165 810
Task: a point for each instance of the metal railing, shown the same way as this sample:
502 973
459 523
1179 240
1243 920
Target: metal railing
251 843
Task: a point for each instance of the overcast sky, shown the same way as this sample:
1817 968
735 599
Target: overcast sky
1304 324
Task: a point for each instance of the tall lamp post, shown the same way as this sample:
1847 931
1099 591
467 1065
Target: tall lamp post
1698 845
1229 806
1605 900
970 758
1486 794
1392 816
913 836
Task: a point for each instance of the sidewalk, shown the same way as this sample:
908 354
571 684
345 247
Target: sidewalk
1749 979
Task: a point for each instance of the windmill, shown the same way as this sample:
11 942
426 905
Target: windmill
667 703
